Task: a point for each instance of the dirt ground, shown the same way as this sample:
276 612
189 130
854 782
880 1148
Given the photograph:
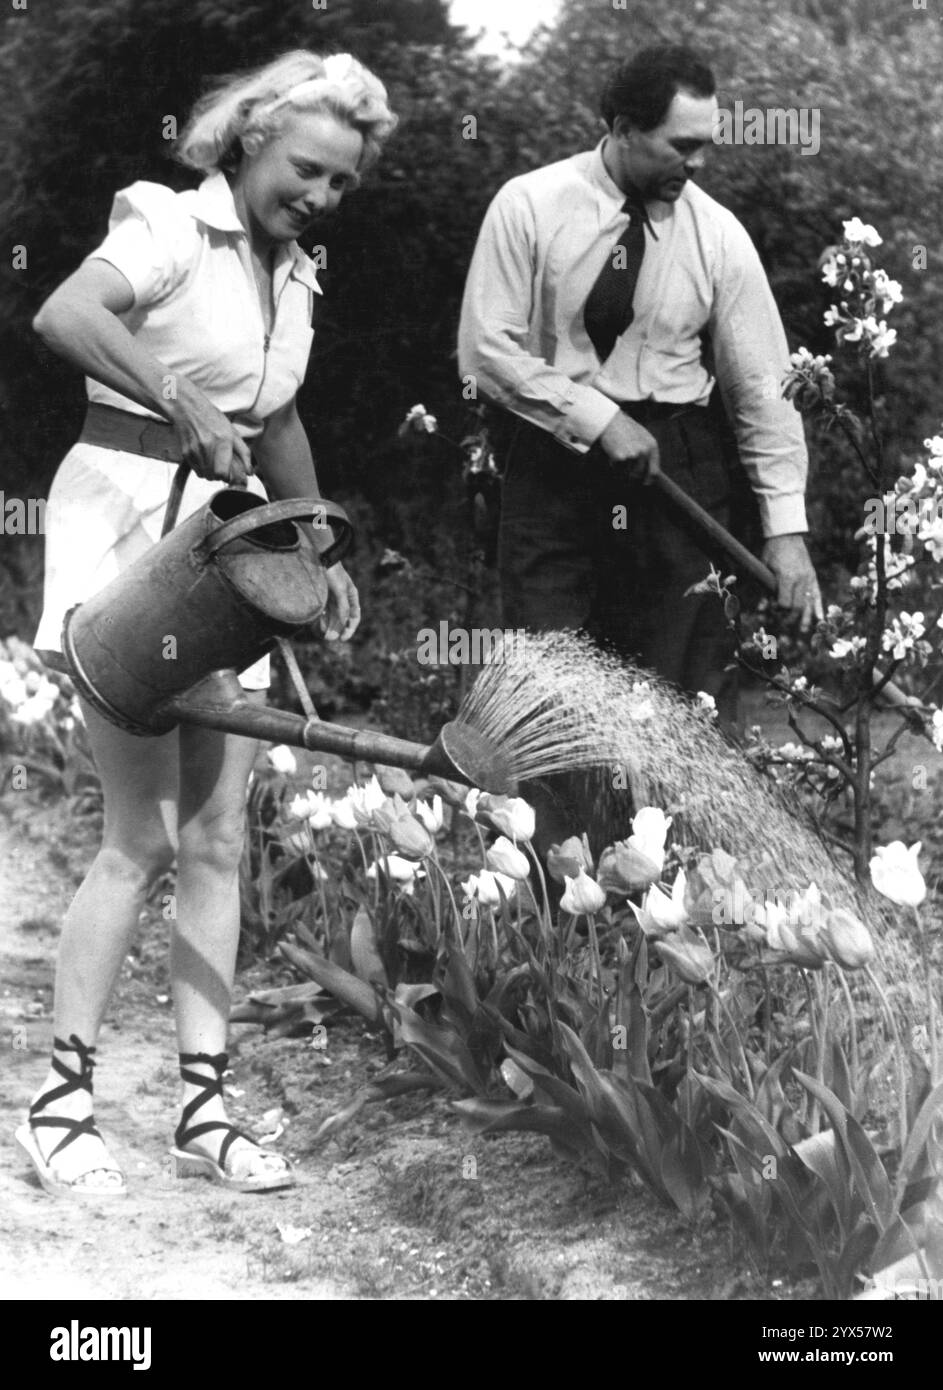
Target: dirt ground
385 1210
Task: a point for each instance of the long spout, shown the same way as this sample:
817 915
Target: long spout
459 753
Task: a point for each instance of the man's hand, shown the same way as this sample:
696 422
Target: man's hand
341 617
788 558
625 441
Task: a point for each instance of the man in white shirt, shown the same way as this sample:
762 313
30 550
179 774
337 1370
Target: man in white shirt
608 382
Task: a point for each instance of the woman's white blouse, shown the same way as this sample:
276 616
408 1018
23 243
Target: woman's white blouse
196 308
196 305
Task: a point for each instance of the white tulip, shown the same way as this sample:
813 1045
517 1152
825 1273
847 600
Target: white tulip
894 873
431 816
282 759
506 858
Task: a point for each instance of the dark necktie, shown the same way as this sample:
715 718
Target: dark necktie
608 311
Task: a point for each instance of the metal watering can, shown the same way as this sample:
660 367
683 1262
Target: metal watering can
161 644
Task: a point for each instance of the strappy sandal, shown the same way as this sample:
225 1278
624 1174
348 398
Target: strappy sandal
81 1080
193 1165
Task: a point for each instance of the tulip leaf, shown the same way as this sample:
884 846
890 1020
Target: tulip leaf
341 983
442 1050
825 1157
364 956
914 1149
869 1174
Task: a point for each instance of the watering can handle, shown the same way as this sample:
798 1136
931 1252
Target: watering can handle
291 509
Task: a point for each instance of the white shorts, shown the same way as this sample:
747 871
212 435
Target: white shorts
105 509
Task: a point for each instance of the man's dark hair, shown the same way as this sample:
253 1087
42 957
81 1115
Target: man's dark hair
643 88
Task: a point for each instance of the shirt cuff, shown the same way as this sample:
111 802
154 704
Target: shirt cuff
782 516
588 415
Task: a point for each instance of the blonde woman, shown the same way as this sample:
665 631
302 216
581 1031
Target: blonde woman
192 323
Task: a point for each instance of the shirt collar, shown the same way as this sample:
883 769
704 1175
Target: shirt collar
214 205
599 175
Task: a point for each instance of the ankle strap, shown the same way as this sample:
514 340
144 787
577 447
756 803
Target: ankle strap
86 1055
219 1061
72 1081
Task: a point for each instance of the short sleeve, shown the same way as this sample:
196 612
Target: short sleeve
151 239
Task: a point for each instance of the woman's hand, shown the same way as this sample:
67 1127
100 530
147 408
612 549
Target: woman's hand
341 617
209 442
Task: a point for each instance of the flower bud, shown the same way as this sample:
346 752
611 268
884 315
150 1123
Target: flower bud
505 858
512 815
688 957
567 859
582 895
410 838
847 939
624 869
395 780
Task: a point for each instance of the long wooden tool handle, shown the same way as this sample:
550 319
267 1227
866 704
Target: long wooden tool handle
748 561
744 558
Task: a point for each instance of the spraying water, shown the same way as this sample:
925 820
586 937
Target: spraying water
559 703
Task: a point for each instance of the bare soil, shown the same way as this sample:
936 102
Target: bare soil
391 1208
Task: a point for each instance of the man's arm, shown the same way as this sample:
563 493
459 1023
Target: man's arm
751 357
494 333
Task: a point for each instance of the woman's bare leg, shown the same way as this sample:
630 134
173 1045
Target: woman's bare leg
214 772
139 781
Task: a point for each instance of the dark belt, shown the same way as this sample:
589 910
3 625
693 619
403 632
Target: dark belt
111 428
641 411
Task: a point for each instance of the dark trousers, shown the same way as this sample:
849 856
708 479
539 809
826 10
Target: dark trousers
580 547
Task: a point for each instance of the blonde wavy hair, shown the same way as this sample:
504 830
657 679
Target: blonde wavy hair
240 113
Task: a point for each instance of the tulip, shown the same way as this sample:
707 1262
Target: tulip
623 868
668 913
485 886
688 957
431 816
319 811
395 867
283 760
802 946
411 838
470 804
506 858
567 859
366 801
848 939
298 807
894 873
649 832
512 815
395 780
342 813
582 894
455 793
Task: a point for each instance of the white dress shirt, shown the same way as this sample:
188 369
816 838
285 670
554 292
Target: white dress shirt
542 245
196 308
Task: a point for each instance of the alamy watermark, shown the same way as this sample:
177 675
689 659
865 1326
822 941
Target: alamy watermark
22 516
460 646
771 125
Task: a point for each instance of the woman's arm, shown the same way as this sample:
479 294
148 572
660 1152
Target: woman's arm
80 321
286 465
